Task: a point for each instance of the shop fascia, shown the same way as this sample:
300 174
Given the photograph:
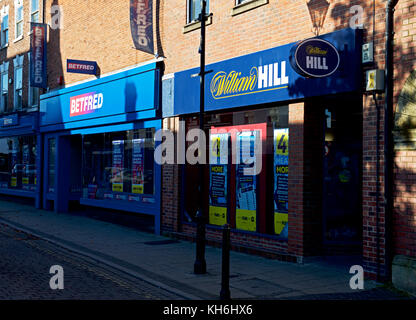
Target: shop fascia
249 146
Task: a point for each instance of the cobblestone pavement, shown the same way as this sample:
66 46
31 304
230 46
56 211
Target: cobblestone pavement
25 261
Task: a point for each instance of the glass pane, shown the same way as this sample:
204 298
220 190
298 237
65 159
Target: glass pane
5 22
19 29
18 105
195 9
119 165
35 17
19 13
5 158
4 81
34 96
19 73
35 5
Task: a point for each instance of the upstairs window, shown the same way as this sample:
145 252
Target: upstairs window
19 19
5 30
194 9
4 86
237 2
34 11
18 88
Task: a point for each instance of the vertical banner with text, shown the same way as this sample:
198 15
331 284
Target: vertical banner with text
141 24
246 185
281 173
138 166
218 179
38 71
118 166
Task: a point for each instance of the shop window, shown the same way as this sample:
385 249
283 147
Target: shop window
5 30
194 10
255 202
119 165
18 19
18 163
34 11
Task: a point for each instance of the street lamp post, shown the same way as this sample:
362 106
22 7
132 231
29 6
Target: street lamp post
200 266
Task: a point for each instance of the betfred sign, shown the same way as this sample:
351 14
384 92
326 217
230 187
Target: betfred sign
38 72
315 58
81 66
86 103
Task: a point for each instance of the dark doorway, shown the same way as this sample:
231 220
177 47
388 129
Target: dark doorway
342 176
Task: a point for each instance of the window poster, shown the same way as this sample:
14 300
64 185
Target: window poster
138 166
246 203
117 168
25 162
15 166
218 179
281 170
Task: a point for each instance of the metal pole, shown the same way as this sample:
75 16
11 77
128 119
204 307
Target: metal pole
225 276
200 264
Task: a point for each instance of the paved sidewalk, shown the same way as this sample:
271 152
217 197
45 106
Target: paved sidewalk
169 264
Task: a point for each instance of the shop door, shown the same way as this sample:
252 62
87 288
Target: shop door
236 197
342 177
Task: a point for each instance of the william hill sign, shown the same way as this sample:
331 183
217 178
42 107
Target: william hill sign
329 64
314 58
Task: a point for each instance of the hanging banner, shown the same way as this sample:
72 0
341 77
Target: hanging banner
38 71
138 166
281 170
246 202
141 24
218 179
118 166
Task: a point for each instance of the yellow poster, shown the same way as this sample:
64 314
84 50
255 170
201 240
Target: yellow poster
25 180
217 215
245 219
117 187
138 188
13 182
280 221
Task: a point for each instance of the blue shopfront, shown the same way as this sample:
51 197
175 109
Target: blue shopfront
99 143
20 161
252 98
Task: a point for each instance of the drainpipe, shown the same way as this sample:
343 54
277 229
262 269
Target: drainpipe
388 116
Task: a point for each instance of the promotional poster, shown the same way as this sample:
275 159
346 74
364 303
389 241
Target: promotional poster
117 169
138 166
246 197
218 181
281 168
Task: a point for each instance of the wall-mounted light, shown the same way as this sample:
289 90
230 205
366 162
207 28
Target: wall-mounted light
317 10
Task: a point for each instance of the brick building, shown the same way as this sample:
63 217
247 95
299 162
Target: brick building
320 191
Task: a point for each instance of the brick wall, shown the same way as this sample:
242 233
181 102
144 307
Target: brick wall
404 219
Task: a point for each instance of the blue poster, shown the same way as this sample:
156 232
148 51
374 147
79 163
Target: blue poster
281 170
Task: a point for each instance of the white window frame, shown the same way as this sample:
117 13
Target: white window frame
188 12
4 13
18 67
34 12
30 88
238 2
4 69
17 5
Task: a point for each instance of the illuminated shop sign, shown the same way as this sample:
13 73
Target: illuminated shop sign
314 58
262 78
86 103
